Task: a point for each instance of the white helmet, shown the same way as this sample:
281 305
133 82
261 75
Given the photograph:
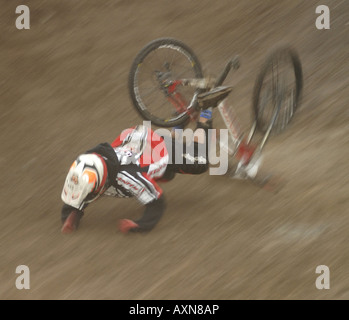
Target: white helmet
84 177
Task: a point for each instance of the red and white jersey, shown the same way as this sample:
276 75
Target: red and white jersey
143 159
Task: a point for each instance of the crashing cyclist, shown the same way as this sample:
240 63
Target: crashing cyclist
132 166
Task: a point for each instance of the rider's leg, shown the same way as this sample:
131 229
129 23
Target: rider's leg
202 127
150 218
191 159
195 154
195 161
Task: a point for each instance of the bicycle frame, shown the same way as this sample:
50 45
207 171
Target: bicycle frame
241 147
229 117
177 100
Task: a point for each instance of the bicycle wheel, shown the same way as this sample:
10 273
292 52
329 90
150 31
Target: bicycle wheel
159 62
277 90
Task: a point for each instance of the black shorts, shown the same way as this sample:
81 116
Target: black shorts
186 158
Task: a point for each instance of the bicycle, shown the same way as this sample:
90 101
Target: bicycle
168 88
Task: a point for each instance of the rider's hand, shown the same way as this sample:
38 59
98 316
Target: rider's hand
126 225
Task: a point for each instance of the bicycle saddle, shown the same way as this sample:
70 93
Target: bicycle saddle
212 97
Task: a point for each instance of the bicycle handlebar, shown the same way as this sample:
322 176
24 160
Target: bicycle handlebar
235 63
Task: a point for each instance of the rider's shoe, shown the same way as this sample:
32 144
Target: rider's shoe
213 97
126 225
72 222
207 114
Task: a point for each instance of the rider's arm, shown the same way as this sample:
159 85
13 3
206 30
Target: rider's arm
151 215
153 209
67 210
147 191
120 139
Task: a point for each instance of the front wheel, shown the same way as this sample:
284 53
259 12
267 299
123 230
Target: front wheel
277 90
163 61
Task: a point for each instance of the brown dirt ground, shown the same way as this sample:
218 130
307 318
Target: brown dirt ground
64 89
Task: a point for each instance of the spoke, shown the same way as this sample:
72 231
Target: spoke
173 57
145 72
151 90
150 62
180 75
157 107
165 103
160 59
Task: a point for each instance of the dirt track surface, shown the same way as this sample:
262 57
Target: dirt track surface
64 89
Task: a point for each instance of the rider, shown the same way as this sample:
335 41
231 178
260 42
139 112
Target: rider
131 166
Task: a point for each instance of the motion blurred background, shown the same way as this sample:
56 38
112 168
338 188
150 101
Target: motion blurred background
64 89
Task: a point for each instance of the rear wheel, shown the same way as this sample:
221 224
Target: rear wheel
277 90
159 62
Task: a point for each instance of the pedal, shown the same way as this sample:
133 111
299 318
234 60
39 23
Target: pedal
211 99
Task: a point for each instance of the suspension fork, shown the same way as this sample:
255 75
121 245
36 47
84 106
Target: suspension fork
178 101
